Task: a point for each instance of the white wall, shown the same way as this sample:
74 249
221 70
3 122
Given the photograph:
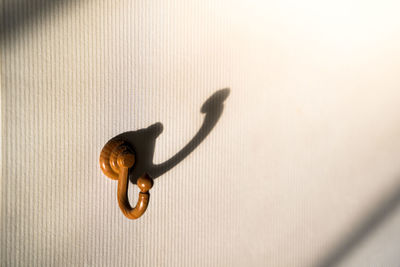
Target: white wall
306 150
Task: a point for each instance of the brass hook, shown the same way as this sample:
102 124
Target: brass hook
116 158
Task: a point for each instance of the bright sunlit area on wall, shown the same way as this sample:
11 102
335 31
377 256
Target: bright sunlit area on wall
268 133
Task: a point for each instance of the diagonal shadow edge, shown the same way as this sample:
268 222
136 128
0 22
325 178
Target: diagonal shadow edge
345 247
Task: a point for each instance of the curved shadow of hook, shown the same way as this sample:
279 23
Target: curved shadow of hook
143 140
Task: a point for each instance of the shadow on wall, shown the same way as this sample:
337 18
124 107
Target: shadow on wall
369 224
16 15
143 141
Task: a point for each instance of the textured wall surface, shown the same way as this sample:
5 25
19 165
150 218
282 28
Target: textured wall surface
303 162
